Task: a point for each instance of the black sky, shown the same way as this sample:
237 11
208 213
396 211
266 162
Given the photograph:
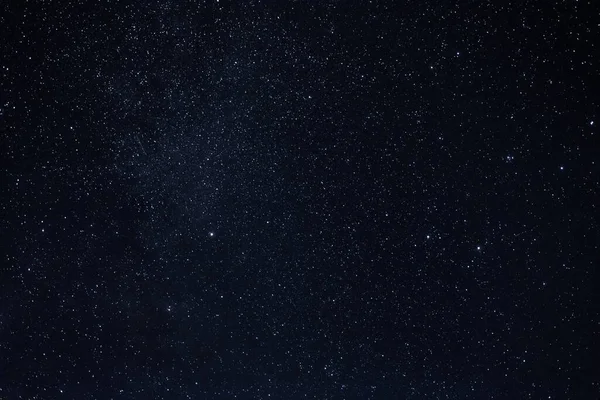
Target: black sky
299 200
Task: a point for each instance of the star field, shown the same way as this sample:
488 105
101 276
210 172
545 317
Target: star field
299 200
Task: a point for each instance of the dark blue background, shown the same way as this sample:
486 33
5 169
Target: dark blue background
341 200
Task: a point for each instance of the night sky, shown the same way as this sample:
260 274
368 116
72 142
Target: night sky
299 200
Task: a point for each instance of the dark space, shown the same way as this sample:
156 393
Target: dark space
299 200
